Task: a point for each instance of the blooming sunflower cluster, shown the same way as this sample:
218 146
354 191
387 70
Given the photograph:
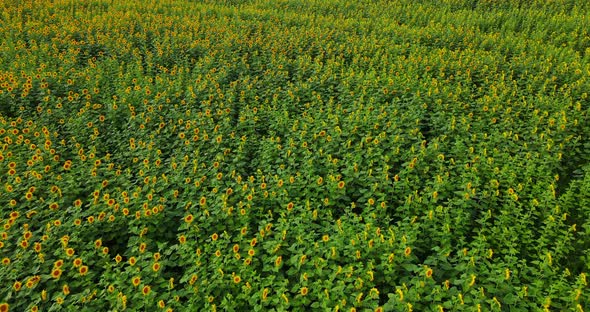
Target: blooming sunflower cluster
294 155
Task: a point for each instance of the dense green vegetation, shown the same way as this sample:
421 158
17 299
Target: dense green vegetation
294 155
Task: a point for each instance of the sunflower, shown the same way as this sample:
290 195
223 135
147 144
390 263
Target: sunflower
56 273
142 247
83 270
407 251
429 272
58 264
304 291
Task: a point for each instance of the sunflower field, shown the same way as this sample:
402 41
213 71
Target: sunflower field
294 155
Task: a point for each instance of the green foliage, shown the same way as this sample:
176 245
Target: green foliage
294 155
